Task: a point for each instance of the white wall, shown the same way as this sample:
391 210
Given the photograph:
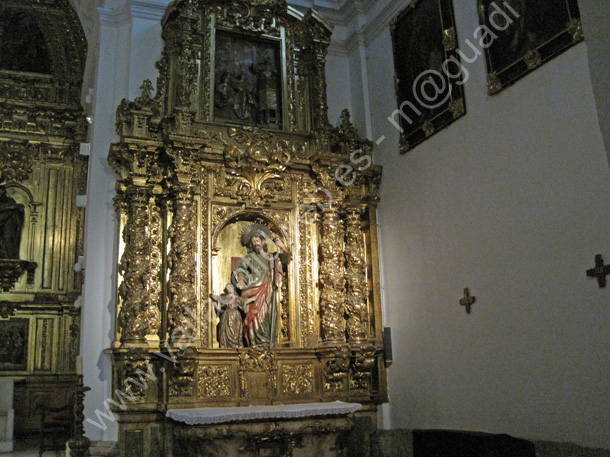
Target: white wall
510 201
128 39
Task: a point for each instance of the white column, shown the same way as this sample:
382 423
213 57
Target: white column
110 80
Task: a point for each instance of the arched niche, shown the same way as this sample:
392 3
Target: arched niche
42 37
228 251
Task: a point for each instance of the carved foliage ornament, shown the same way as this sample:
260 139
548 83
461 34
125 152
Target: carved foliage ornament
297 379
214 381
251 15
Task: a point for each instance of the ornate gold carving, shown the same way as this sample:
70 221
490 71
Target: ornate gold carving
494 84
297 379
357 290
532 59
182 374
214 381
363 364
449 39
205 231
575 29
136 369
183 268
185 176
7 309
16 160
332 275
428 128
259 359
136 164
336 369
140 290
344 139
254 170
457 107
251 15
11 271
139 119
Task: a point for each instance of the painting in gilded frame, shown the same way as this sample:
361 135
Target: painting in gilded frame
248 80
429 75
521 35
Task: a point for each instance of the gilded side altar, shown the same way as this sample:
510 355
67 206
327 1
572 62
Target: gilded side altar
42 124
235 136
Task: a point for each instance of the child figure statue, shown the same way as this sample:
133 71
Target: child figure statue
230 329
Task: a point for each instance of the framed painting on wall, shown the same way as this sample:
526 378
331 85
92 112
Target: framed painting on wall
429 75
521 35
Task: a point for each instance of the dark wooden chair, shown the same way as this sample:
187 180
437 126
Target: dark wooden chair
55 427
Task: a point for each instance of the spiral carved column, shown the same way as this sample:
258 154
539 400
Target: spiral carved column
182 284
140 290
332 278
356 305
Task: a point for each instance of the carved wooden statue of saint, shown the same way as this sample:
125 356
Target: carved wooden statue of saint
258 277
11 223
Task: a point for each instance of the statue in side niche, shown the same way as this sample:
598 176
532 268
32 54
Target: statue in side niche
11 224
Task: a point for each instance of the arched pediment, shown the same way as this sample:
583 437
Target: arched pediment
43 37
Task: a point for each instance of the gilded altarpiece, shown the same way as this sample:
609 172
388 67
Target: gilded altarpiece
42 123
234 148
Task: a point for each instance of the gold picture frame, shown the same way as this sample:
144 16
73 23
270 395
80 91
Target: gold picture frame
523 35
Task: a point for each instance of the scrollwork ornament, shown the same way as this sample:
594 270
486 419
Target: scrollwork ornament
255 170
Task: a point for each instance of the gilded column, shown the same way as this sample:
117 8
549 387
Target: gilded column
182 312
356 286
332 271
187 64
321 41
140 265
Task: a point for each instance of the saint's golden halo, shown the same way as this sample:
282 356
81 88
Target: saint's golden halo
254 229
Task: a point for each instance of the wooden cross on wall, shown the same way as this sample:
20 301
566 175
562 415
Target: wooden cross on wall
600 271
467 301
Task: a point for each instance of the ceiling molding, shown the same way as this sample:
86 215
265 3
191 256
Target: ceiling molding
148 9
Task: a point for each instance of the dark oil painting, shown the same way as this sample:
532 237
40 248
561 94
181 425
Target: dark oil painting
428 71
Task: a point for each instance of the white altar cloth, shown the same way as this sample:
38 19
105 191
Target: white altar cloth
203 416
